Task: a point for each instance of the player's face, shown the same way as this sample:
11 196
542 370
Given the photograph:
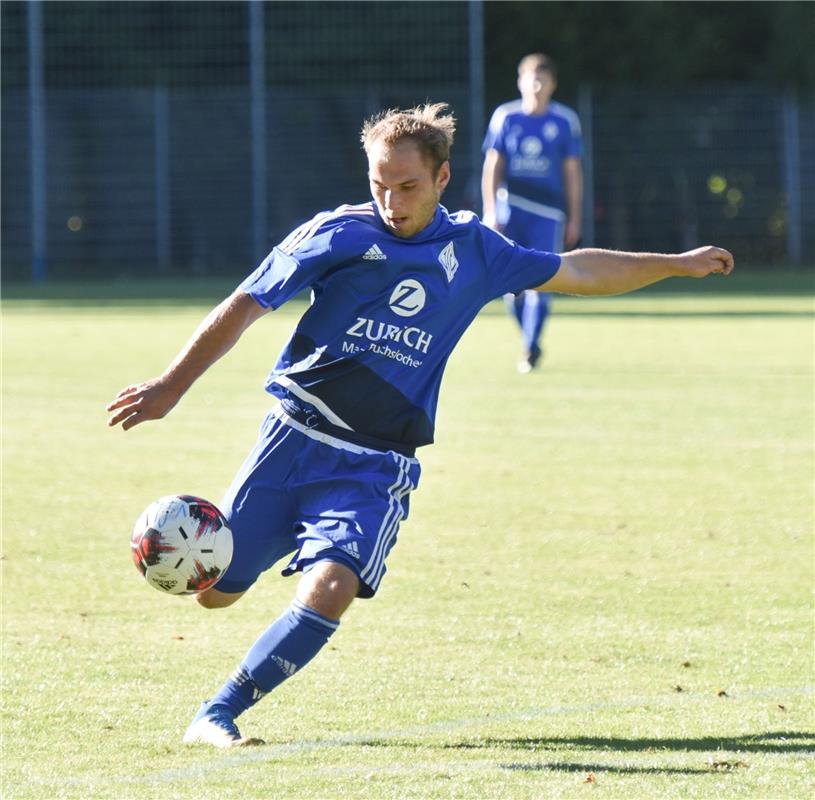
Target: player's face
537 83
404 188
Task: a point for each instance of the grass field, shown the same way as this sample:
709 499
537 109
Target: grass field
604 588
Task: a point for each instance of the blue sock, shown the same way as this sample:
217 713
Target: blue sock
535 312
515 306
285 647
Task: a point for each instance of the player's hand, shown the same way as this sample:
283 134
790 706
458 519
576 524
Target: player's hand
571 236
707 260
141 402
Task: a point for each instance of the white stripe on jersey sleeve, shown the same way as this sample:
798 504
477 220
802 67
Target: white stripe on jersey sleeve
502 112
568 114
305 231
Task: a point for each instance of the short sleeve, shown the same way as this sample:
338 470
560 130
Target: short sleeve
574 148
512 268
297 263
494 138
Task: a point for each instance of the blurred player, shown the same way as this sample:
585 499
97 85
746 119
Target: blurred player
394 282
532 183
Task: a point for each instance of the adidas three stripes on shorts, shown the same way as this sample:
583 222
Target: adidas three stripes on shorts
305 493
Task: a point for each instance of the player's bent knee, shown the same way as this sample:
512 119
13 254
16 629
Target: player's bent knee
328 588
212 598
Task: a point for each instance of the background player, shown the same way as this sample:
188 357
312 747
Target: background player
395 283
532 183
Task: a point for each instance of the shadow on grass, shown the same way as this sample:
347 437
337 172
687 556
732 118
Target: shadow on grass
775 742
568 766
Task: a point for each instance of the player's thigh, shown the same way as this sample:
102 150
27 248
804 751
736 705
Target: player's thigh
260 509
351 512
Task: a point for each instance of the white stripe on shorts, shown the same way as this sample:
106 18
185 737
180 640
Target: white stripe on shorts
374 569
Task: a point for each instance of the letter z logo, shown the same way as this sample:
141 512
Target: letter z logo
408 298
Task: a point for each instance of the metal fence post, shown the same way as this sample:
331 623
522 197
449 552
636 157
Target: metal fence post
476 79
36 104
161 117
791 159
585 113
257 87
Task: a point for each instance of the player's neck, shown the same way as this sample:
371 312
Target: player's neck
535 106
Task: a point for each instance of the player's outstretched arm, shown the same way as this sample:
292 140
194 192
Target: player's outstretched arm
217 333
592 271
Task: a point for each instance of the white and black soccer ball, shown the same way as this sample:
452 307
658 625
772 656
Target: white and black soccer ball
181 544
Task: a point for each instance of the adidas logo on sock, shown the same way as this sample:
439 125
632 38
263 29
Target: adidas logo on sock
240 678
288 668
351 548
374 254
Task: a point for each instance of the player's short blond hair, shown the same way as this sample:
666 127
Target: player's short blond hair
537 61
428 126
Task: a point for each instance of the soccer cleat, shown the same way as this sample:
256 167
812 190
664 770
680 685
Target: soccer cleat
215 725
530 361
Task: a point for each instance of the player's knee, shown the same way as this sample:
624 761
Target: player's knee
328 588
212 598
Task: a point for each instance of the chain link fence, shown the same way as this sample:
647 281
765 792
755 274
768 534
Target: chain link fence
189 137
729 164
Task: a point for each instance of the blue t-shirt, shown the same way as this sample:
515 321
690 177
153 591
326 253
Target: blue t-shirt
534 147
368 355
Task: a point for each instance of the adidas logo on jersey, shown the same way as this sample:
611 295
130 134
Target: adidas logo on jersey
288 668
374 254
448 260
351 548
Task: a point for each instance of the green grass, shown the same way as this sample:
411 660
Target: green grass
607 570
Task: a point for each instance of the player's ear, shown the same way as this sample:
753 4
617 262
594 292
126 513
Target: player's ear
443 177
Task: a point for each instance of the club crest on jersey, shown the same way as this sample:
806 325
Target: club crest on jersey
448 260
408 298
550 131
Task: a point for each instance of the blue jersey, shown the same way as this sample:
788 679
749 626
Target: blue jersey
365 361
534 147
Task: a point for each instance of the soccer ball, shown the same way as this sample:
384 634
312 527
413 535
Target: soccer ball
181 544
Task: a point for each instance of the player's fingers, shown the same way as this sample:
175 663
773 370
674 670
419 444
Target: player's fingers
727 261
117 418
134 419
122 397
123 414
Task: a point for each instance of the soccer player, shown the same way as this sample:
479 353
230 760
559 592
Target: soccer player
532 183
394 283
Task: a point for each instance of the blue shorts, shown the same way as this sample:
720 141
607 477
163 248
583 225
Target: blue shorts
535 230
304 492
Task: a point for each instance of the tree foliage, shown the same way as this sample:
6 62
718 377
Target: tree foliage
652 43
